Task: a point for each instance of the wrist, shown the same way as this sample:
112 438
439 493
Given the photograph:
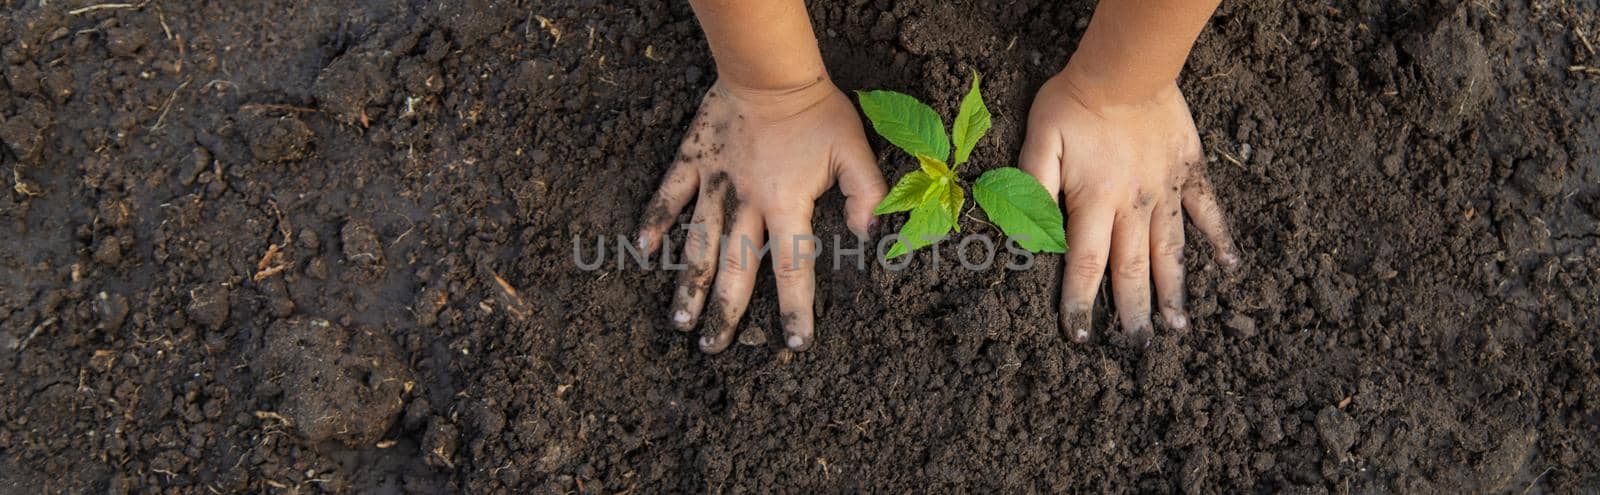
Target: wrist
778 101
1103 93
783 66
757 83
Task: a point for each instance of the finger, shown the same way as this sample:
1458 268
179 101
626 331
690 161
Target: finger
794 252
862 185
676 188
1201 201
700 254
736 278
1041 158
1130 268
1166 259
1089 234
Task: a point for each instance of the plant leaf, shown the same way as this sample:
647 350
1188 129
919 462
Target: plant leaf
906 123
907 194
951 202
1022 208
927 225
972 122
935 168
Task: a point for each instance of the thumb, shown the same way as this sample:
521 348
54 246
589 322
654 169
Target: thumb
862 185
1041 158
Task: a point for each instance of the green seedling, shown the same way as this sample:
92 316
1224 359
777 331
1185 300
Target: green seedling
934 194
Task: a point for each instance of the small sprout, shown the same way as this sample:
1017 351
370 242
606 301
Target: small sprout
1017 203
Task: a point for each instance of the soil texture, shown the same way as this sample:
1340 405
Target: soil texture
290 246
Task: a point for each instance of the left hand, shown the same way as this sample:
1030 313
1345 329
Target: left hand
1127 172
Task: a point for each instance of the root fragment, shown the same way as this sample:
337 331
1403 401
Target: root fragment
265 415
549 26
269 265
511 299
106 6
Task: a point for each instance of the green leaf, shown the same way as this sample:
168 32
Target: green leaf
907 194
945 190
906 123
935 168
1022 208
971 123
895 251
927 224
951 201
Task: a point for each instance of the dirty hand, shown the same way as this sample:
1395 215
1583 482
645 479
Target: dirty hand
755 161
1127 171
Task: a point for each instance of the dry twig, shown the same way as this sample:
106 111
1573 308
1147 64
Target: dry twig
106 6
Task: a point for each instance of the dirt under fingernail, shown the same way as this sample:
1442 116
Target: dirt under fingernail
681 320
714 344
1075 322
797 337
1178 321
798 343
1230 261
1136 338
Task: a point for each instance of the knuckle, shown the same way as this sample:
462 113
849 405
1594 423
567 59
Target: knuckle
788 271
1092 191
742 255
1084 270
1170 248
1133 269
1084 264
734 261
784 204
697 244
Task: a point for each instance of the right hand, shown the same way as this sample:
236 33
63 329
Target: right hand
756 161
1127 172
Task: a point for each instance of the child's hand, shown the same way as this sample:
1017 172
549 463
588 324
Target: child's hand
1127 171
755 161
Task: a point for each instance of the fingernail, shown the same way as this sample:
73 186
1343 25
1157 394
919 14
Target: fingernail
1076 323
680 317
872 224
641 242
1177 321
1230 261
799 332
709 344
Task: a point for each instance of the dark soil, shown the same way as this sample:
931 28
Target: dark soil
297 246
